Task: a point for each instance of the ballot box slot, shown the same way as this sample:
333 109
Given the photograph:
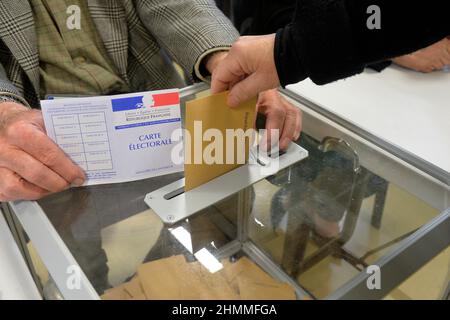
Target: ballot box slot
174 193
173 204
264 158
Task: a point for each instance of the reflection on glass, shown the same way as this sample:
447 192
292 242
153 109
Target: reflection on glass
110 231
328 217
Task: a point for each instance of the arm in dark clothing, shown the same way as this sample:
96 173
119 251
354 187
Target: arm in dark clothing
329 39
270 15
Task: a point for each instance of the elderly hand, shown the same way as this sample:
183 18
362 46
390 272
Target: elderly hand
280 114
248 69
31 164
432 58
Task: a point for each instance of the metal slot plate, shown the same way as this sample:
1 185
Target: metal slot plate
188 203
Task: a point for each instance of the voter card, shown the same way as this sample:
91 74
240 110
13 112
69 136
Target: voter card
117 138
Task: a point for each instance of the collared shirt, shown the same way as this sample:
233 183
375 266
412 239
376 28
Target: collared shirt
72 57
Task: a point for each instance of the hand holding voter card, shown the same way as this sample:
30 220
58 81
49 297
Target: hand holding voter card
137 136
116 138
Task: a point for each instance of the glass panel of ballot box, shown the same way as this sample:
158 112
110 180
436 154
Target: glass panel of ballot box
356 219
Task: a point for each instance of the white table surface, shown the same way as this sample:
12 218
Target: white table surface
405 108
16 282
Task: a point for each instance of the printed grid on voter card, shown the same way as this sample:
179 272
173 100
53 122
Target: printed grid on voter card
84 137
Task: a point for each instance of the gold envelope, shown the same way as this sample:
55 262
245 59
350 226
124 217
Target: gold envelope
117 293
134 289
252 290
214 113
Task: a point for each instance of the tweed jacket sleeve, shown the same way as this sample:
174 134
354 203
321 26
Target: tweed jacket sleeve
187 29
7 90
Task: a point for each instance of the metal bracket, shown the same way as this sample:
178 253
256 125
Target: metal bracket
172 204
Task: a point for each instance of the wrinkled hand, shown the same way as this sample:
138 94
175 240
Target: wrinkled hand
281 115
31 164
248 69
432 58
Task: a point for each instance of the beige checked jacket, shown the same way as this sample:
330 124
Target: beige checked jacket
142 37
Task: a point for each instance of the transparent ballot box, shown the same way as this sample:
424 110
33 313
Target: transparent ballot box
356 219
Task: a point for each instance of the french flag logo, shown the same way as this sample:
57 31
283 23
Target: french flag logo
166 99
146 101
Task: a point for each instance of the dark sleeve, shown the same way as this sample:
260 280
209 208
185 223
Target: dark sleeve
379 66
271 15
261 17
329 39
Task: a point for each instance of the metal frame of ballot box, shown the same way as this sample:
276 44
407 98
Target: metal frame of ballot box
408 255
